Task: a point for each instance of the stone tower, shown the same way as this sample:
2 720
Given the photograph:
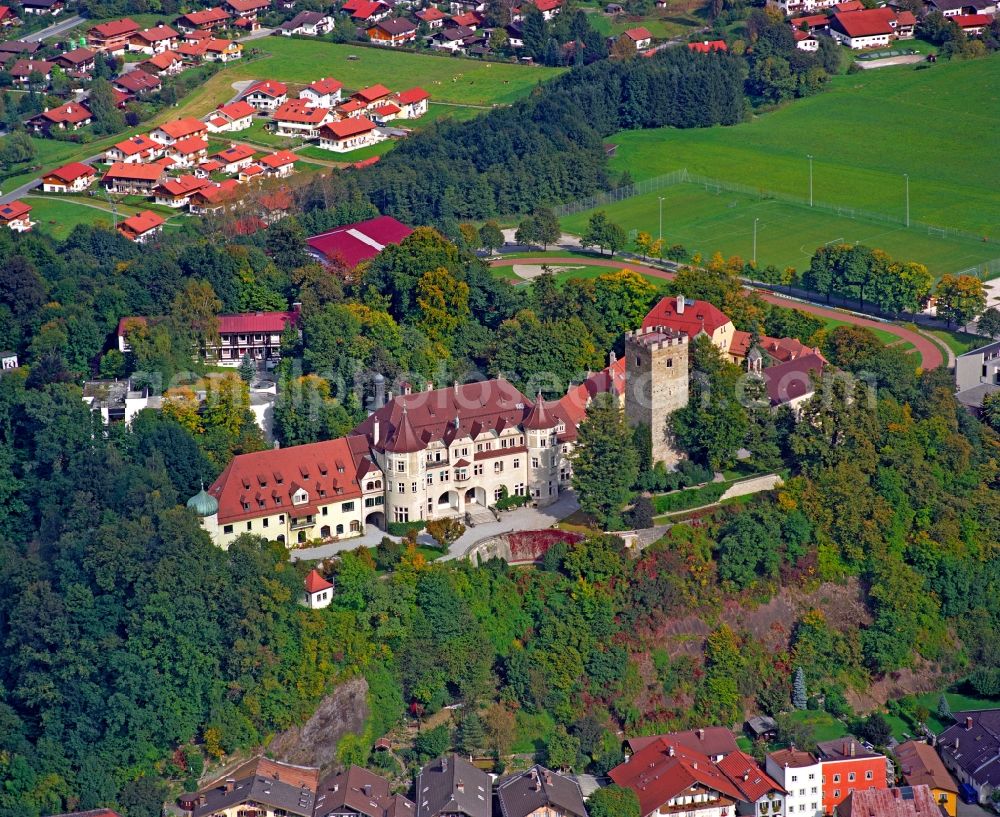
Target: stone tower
656 384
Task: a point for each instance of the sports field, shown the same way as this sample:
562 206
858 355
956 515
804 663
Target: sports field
864 132
708 221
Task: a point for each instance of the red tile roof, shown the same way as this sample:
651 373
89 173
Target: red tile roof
244 6
572 406
747 776
191 145
315 583
366 9
696 316
180 128
206 16
372 93
638 34
711 740
547 5
142 223
156 34
279 159
183 185
539 417
72 113
790 380
134 172
327 85
387 110
708 46
218 193
360 241
348 127
297 110
794 758
966 20
236 110
164 59
412 95
351 106
811 20
267 87
431 14
866 23
234 153
470 18
921 765
187 49
137 81
264 481
849 5
24 68
14 210
909 801
115 28
71 172
260 322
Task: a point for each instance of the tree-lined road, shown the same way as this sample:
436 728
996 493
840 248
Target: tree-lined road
930 353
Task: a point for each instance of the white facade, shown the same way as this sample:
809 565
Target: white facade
317 100
328 141
803 786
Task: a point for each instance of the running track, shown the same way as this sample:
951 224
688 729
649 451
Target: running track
930 354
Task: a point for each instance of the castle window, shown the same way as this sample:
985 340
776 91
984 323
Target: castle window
401 466
670 363
227 528
517 463
477 469
638 361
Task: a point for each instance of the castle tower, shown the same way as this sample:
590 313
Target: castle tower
656 384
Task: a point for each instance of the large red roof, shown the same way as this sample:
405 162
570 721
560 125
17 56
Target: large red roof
298 110
327 85
315 582
747 776
361 241
371 93
115 28
790 380
134 172
866 23
142 222
695 317
411 95
264 481
179 128
267 87
970 20
261 322
14 210
72 112
72 172
708 46
157 34
236 110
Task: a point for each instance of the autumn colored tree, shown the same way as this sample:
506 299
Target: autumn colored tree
960 298
444 305
194 315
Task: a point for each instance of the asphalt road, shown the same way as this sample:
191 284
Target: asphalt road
54 30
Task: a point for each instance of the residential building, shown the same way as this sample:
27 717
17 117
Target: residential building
970 748
641 37
920 765
317 594
412 103
359 793
72 178
166 63
234 158
171 132
804 41
117 401
761 795
433 16
18 47
349 134
215 198
136 150
7 17
906 801
384 114
8 361
279 164
112 37
16 216
70 116
308 24
800 774
848 766
352 109
78 59
41 7
177 192
713 741
247 11
267 95
394 32
539 792
791 383
142 227
372 95
188 152
953 8
132 179
452 787
24 72
871 28
137 82
452 39
251 172
153 40
231 118
209 19
351 244
370 11
972 24
469 19
977 374
296 117
268 788
217 50
323 93
708 46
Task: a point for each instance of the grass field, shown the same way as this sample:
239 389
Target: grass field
378 149
707 221
58 216
864 132
959 342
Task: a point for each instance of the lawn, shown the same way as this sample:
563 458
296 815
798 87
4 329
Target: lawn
58 216
378 149
825 726
958 342
957 701
710 220
864 132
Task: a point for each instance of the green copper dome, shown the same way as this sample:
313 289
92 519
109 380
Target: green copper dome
203 503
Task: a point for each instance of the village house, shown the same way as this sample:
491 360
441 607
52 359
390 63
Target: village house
142 227
42 7
20 48
905 801
71 116
953 8
153 40
452 787
132 179
192 51
279 164
641 37
245 12
113 37
177 192
72 178
308 24
24 72
920 765
7 17
708 46
250 173
116 401
469 19
170 132
188 152
323 93
384 114
138 83
231 118
370 11
539 792
266 787
970 748
16 216
972 25
234 158
871 28
372 95
352 109
164 64
977 374
394 32
548 8
349 134
412 103
805 41
266 96
433 16
136 150
78 59
217 50
215 198
848 766
359 792
297 118
318 592
205 20
800 774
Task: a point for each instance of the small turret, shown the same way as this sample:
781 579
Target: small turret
203 503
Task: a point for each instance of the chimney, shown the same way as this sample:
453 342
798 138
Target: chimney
455 384
612 358
670 751
956 744
405 387
968 722
680 304
336 787
375 431
444 763
895 793
460 786
230 784
701 734
746 776
430 385
852 748
367 789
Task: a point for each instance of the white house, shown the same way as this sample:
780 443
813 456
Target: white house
318 591
231 118
297 118
349 134
266 96
412 103
800 774
323 93
72 178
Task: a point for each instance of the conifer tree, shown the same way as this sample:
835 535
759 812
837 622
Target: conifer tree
799 698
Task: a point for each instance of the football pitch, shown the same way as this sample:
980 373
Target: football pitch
706 220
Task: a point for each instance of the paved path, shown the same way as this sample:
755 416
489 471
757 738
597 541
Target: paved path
930 354
754 485
54 30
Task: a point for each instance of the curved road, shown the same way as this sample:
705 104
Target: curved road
930 354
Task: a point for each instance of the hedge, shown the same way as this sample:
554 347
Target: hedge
403 528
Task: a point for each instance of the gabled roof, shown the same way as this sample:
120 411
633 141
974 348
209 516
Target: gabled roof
367 8
692 318
234 153
115 28
183 185
793 758
387 109
267 87
865 23
179 128
921 765
14 210
138 81
354 791
244 6
359 241
972 744
71 172
206 16
452 785
523 794
279 158
708 46
315 583
906 801
637 34
968 20
78 56
142 223
134 172
752 781
164 60
412 95
71 112
786 382
372 93
711 740
236 110
431 14
156 34
326 85
190 145
24 68
348 127
271 782
396 27
297 110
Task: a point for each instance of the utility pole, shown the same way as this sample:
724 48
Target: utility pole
810 158
755 239
907 177
661 219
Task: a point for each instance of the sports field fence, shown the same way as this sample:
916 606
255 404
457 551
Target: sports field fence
987 269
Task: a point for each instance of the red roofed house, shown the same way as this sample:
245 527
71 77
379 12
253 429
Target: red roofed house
972 24
804 40
469 19
215 198
353 243
298 118
7 17
412 103
548 8
132 179
71 116
166 63
323 93
234 158
353 108
642 38
280 164
188 152
267 95
708 46
22 71
78 59
16 215
385 113
142 227
248 9
170 132
849 5
217 50
72 178
235 116
847 765
397 31
134 151
250 173
204 20
371 96
349 134
177 192
370 11
318 591
153 40
870 28
112 37
906 801
138 82
692 318
433 16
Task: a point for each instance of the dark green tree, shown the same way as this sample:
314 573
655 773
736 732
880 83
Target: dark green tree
605 465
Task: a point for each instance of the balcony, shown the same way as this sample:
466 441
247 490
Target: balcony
302 522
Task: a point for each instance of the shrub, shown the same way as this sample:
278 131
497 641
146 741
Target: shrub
403 528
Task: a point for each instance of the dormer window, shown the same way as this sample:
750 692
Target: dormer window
300 497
